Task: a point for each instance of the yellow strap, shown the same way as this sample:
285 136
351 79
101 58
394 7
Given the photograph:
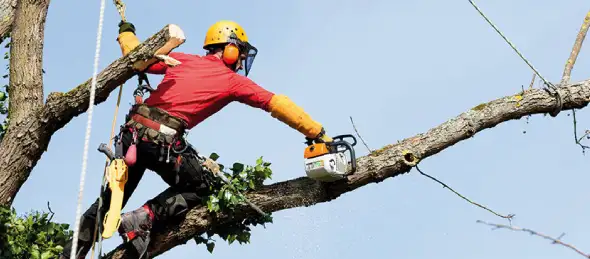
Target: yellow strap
107 160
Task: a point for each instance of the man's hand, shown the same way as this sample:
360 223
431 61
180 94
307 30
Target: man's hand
322 137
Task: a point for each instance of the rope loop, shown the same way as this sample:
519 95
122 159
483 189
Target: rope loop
120 8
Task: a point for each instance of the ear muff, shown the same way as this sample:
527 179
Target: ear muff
231 53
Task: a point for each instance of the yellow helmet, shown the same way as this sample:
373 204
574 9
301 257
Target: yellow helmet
233 38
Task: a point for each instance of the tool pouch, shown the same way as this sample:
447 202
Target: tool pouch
157 115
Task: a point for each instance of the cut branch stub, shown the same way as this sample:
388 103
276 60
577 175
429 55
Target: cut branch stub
410 158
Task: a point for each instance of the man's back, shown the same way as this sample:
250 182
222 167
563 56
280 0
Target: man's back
201 86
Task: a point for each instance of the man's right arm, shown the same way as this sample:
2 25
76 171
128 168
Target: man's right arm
128 41
279 106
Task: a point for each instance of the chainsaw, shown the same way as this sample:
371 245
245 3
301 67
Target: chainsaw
326 161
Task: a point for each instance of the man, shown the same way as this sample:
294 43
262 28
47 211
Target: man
189 93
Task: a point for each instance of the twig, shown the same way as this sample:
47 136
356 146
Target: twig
357 133
52 213
532 81
555 240
569 65
509 216
576 133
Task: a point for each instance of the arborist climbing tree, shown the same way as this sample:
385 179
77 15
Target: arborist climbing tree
193 88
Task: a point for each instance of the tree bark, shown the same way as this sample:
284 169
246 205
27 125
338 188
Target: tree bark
387 162
27 139
26 63
7 10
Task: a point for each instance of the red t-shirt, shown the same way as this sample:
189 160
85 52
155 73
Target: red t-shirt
201 86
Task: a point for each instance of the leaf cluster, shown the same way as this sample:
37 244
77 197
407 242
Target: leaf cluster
32 235
227 198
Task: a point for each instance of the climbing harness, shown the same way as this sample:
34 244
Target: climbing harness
88 129
554 91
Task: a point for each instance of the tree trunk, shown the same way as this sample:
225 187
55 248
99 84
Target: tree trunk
27 139
390 161
26 82
26 63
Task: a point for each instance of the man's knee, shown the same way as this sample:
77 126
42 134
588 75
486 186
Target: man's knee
169 204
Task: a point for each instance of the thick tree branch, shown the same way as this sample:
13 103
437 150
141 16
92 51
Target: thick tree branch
26 140
7 10
390 161
26 63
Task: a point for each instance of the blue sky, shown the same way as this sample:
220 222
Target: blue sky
398 68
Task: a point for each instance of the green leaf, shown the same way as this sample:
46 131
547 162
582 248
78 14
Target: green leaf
237 167
35 252
259 161
231 239
210 247
214 156
200 240
47 255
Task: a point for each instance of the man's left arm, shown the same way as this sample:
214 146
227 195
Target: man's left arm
279 106
128 41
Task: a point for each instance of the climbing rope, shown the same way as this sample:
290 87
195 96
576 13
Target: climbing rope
547 83
104 178
88 129
120 8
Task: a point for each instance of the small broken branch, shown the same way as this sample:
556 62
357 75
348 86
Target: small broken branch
555 240
532 81
50 211
509 216
569 65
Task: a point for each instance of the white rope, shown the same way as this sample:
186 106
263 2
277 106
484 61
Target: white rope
88 127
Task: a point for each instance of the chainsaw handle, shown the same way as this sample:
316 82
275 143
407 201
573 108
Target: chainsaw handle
105 150
341 137
350 149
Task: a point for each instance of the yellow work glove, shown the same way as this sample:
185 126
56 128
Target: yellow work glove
285 110
127 39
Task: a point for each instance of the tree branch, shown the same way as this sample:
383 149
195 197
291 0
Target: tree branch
7 10
389 161
26 140
569 65
532 232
